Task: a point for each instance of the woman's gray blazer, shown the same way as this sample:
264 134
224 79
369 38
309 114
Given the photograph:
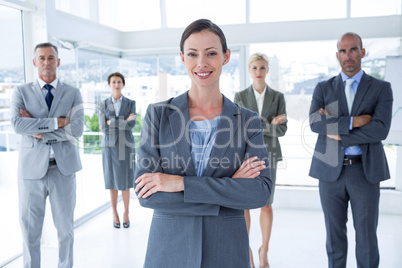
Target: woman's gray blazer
118 146
274 105
203 226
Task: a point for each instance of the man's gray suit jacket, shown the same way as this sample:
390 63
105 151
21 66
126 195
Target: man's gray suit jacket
34 153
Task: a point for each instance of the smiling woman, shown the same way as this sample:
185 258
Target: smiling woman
198 204
204 56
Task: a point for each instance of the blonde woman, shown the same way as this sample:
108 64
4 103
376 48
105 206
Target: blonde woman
270 105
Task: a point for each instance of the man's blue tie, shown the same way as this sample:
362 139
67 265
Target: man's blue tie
49 96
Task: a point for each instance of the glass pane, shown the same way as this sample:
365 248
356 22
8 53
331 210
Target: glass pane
67 69
369 8
11 56
94 68
296 74
142 83
89 69
293 10
129 15
230 77
181 13
173 76
11 74
91 77
81 8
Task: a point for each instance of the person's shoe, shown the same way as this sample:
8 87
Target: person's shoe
126 224
259 257
116 225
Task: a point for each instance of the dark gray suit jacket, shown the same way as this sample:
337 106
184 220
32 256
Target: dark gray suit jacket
203 226
274 105
373 97
118 145
119 126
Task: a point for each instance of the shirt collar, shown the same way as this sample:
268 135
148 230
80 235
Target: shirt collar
119 100
357 77
257 94
43 83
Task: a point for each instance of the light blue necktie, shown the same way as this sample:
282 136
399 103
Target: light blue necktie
350 95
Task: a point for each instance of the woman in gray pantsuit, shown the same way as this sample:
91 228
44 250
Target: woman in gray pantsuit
201 162
270 105
117 118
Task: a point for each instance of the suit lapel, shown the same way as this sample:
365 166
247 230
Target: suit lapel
39 94
227 129
362 89
59 91
267 105
110 108
179 121
250 100
340 93
124 105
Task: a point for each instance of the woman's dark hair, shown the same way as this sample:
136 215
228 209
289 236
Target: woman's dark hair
117 75
201 25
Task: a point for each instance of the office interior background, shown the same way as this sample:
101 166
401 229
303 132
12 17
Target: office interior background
140 39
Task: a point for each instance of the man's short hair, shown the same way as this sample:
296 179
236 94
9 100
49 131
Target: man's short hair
47 44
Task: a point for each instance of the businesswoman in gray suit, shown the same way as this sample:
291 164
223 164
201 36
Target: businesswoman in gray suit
201 162
270 105
117 118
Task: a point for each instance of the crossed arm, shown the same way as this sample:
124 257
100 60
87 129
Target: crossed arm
168 190
61 122
357 121
150 183
129 118
372 125
35 123
115 124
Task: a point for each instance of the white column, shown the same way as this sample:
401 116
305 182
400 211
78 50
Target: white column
35 31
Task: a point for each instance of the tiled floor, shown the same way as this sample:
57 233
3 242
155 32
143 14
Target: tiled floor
298 240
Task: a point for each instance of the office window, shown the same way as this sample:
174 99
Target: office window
87 9
296 74
180 13
142 82
67 71
293 10
173 76
372 8
129 15
11 74
123 15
